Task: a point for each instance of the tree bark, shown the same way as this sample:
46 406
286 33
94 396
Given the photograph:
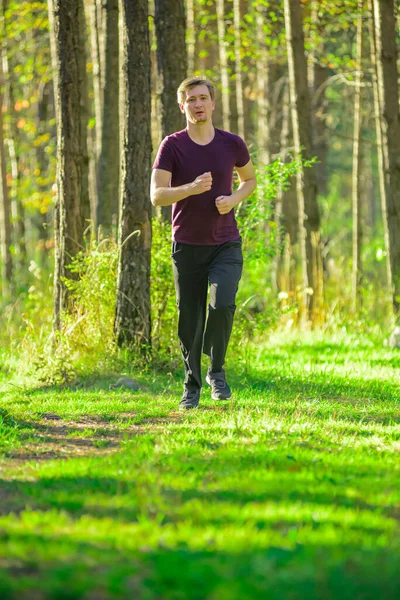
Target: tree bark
72 205
95 26
13 142
5 212
238 67
191 35
263 105
387 76
379 143
108 165
132 319
356 175
317 78
223 59
309 220
172 66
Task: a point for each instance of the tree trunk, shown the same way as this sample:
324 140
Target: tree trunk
46 101
356 177
69 66
108 165
263 107
93 14
132 318
223 59
379 143
286 213
390 124
191 35
309 221
172 66
95 26
317 79
238 67
13 141
5 213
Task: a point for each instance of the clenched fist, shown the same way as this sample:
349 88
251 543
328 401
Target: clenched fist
202 183
224 204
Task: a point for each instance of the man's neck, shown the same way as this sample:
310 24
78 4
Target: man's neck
201 134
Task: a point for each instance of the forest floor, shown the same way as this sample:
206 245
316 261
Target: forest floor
289 491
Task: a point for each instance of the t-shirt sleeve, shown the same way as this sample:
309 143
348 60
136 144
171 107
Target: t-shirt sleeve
165 156
242 153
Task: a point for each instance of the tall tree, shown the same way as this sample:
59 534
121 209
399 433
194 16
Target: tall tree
356 184
390 123
223 61
132 318
318 79
172 65
5 211
13 142
263 96
238 67
108 164
379 142
191 34
309 219
72 206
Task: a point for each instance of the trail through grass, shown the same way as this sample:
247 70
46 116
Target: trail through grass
289 491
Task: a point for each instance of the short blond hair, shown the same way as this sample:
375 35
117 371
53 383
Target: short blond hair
191 82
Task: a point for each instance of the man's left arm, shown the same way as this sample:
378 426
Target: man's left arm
247 178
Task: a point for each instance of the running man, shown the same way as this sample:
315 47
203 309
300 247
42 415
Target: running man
193 171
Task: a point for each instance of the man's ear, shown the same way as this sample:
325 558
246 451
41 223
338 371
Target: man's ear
182 107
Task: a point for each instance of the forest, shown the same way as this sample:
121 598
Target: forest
290 489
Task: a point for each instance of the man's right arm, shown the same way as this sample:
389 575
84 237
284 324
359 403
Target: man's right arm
162 194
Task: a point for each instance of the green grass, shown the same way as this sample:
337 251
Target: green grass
291 491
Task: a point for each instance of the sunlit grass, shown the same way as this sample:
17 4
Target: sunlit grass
291 490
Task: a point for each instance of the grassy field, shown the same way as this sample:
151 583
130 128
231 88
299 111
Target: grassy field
289 491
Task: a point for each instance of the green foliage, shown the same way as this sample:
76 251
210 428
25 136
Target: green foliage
29 121
86 342
8 431
163 303
257 307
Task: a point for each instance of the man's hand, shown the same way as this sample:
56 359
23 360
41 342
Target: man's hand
224 204
202 183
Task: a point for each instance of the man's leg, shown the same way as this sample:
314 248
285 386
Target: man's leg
191 282
225 271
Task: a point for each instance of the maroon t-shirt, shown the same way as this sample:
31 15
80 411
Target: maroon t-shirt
196 220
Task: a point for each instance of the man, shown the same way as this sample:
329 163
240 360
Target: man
193 171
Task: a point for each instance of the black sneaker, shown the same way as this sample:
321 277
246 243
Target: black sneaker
220 390
190 399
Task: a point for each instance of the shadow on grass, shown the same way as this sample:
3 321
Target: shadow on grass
154 382
312 573
89 572
117 567
75 496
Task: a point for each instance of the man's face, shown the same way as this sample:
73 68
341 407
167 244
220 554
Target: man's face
198 106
